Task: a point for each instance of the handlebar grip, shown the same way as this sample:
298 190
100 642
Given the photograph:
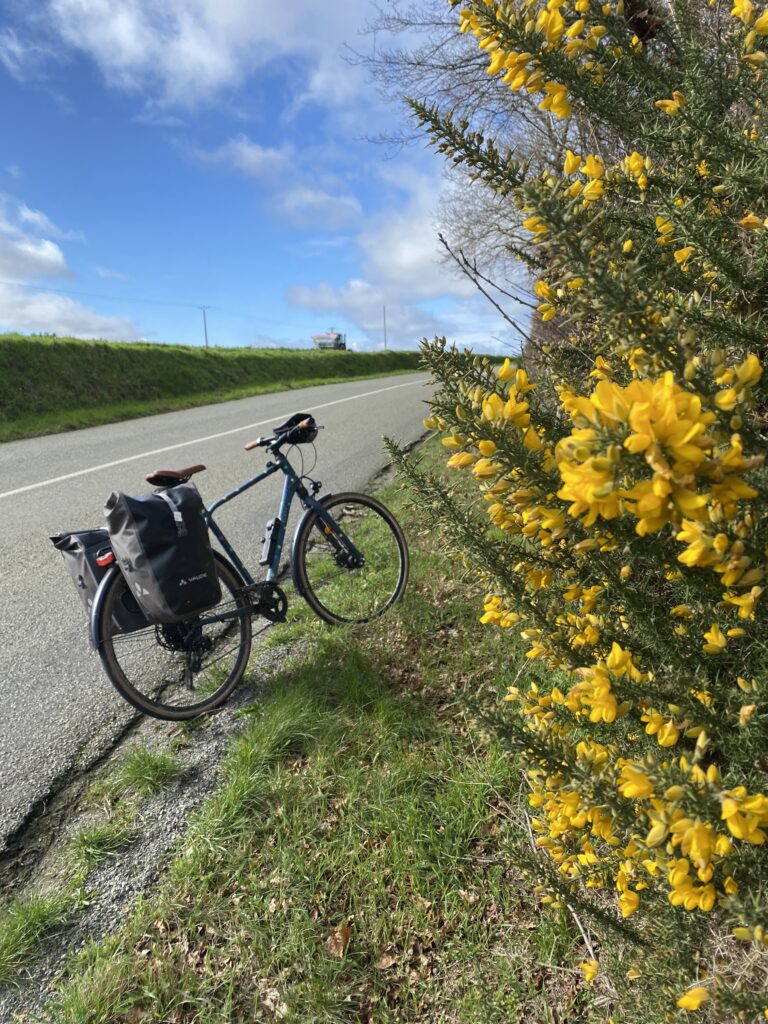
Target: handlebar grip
295 432
280 439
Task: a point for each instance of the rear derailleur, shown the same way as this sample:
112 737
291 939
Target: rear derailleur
186 637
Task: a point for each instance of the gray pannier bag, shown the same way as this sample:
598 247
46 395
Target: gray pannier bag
83 551
162 546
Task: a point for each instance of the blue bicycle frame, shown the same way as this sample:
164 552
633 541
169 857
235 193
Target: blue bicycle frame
293 485
333 533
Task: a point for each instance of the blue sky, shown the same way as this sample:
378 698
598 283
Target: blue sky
159 157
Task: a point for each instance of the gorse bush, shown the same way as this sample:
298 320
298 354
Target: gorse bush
626 536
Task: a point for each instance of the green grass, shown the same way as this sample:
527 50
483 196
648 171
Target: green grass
358 861
143 771
24 922
28 919
50 384
91 845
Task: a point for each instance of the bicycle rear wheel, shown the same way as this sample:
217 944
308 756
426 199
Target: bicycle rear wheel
358 575
181 670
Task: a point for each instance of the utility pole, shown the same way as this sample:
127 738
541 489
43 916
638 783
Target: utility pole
384 314
205 322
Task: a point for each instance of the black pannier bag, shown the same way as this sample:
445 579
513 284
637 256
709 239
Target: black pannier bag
162 546
80 550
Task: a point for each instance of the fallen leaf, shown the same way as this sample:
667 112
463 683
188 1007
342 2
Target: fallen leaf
271 1001
133 1016
385 961
337 943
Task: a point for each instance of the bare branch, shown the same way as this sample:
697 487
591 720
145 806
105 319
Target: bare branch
466 268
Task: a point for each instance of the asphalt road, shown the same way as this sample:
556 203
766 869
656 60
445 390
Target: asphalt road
57 708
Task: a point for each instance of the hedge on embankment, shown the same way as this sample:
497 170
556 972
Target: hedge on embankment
49 384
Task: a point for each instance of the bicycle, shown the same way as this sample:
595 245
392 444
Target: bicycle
349 561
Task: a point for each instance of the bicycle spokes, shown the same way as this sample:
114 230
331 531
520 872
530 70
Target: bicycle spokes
351 572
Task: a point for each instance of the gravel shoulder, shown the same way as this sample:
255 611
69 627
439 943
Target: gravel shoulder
133 871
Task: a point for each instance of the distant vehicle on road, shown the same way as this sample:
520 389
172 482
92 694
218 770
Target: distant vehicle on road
330 340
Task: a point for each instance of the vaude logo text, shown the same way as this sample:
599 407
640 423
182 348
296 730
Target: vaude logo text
193 579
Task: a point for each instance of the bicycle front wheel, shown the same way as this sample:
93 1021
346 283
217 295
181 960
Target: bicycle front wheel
353 573
180 670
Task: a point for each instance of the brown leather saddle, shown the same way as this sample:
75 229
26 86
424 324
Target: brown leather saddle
169 477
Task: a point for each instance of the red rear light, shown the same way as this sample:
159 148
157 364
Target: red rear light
105 558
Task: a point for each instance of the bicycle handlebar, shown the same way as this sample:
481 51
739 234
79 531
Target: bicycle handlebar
278 440
260 442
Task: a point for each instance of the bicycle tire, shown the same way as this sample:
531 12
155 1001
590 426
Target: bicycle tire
153 654
340 594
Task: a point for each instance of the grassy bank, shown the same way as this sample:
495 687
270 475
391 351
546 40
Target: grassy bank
360 860
53 384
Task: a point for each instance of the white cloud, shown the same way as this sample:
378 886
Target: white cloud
470 322
186 52
403 269
25 253
321 245
157 118
362 304
25 310
21 58
308 207
180 54
400 246
26 257
40 223
292 180
110 275
332 82
266 163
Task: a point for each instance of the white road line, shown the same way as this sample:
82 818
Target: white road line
200 440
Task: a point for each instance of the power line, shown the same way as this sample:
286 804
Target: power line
94 295
253 316
256 319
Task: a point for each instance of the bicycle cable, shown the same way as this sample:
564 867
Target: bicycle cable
304 473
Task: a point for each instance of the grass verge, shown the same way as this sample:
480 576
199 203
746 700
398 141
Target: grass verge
358 860
143 771
24 923
91 845
52 384
29 918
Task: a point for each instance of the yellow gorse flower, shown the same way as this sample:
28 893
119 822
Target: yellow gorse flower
751 222
672 106
716 642
744 10
652 450
572 162
694 998
593 190
590 969
683 255
593 167
556 100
